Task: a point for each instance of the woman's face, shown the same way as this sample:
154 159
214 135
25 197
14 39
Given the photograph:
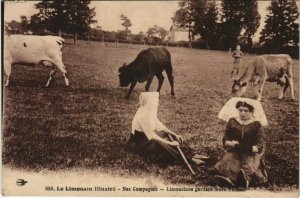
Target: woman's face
244 113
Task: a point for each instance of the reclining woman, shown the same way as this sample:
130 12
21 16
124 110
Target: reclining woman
244 143
150 137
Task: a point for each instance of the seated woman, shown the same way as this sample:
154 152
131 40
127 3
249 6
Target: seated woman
245 145
150 136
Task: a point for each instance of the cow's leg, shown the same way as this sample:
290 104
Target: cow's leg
160 78
283 85
149 81
66 79
232 76
261 85
7 70
63 70
291 85
282 89
130 89
256 88
52 72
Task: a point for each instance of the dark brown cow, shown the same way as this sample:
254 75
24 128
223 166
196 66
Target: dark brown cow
148 63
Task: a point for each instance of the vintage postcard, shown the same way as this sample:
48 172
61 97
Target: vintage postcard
150 98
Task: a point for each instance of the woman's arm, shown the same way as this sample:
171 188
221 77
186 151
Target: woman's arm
161 127
260 140
148 129
228 141
174 143
233 54
227 136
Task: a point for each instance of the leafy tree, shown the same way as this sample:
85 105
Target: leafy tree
184 17
68 16
52 15
13 27
126 23
155 34
141 35
199 17
81 16
250 20
232 22
199 10
24 24
97 31
157 31
206 17
35 25
162 32
123 34
211 25
138 37
151 31
240 19
281 30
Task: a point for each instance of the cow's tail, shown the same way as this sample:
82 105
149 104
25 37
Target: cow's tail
169 71
60 41
287 84
169 67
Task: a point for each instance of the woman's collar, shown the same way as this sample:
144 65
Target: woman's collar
245 122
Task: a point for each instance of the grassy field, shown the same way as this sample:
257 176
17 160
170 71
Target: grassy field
87 125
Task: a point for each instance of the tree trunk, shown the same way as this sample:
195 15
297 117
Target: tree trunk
206 44
75 38
59 33
250 44
190 38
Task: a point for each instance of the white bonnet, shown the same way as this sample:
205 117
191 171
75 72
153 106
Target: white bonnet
228 110
149 98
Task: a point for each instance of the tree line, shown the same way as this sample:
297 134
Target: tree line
235 22
221 26
75 18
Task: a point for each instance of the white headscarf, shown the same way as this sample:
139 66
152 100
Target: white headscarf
229 111
145 118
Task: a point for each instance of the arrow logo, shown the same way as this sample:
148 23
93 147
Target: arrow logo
21 182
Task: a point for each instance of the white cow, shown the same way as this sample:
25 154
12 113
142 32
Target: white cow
34 50
272 68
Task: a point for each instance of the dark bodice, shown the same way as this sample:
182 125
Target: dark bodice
247 135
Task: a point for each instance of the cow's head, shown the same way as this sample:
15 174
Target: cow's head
239 88
125 76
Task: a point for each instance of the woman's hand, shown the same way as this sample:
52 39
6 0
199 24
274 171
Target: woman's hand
174 143
231 144
179 138
254 149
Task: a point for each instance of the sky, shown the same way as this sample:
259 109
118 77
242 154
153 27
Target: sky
143 14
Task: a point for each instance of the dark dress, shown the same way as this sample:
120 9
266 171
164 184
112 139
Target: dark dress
139 143
241 156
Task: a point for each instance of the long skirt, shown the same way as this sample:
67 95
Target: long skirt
252 163
139 143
